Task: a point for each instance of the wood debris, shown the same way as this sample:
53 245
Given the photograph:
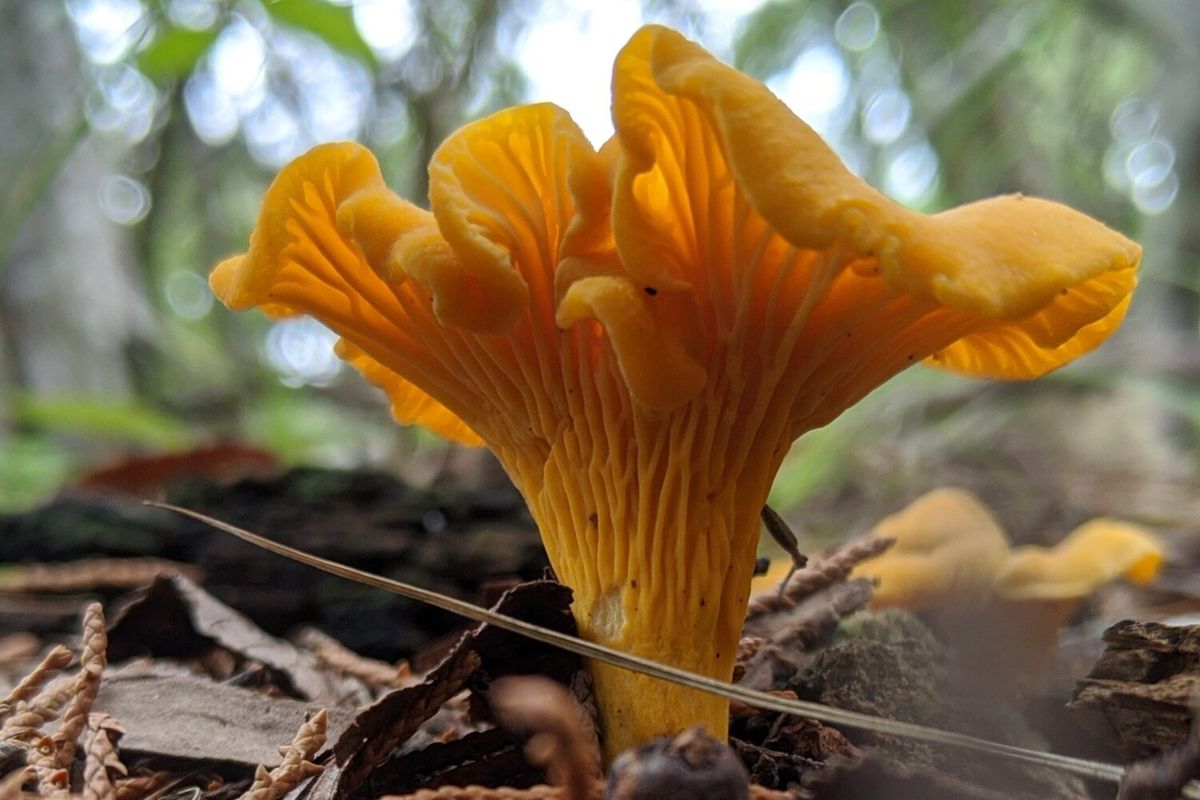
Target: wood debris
335 656
297 763
54 663
87 684
1140 694
102 763
833 567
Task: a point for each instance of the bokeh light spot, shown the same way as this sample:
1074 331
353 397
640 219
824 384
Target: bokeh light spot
1155 198
188 295
388 26
816 87
912 174
1134 118
858 26
106 29
301 351
124 200
886 116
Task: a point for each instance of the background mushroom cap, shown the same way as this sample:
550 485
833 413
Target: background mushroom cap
947 552
1094 554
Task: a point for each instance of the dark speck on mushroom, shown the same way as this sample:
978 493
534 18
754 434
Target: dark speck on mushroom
650 290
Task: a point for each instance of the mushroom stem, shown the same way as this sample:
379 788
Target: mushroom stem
659 548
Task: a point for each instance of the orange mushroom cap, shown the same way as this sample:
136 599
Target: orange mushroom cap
948 549
951 555
640 332
1093 555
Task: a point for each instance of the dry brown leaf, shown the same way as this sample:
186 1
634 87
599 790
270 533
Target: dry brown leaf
395 717
174 617
224 723
388 723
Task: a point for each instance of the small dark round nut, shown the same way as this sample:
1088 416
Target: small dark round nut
692 766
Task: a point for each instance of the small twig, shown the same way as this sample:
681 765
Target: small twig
24 725
559 742
823 572
144 784
344 661
102 766
54 662
296 767
87 685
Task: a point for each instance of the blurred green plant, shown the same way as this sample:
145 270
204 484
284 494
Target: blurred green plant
134 422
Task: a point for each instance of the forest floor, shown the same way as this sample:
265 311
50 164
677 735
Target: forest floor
203 663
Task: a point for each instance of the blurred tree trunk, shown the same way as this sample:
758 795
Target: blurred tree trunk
68 302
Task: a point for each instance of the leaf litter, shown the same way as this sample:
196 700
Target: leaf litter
469 727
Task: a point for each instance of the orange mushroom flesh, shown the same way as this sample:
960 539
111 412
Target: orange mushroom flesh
640 332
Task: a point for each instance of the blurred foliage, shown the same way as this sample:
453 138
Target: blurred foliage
1025 95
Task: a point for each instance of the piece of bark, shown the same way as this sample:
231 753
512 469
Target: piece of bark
480 656
1162 777
483 758
1140 695
779 749
180 716
388 723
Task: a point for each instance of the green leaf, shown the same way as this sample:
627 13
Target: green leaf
130 422
174 52
333 23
